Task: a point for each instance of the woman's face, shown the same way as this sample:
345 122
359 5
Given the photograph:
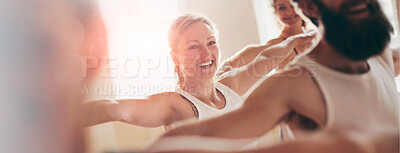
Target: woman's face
286 13
198 52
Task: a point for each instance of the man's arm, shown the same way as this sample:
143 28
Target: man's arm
329 142
326 143
263 109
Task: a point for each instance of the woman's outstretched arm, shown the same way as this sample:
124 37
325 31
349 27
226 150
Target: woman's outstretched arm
242 78
154 111
244 56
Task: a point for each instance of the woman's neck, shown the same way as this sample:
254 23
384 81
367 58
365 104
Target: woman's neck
290 31
203 90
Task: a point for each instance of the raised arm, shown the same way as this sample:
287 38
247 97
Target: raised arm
263 109
153 111
244 56
242 78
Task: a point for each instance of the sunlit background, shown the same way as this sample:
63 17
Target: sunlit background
139 62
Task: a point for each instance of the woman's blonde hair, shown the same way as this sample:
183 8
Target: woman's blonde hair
178 26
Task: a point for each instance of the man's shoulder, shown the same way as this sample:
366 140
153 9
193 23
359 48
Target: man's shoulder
290 79
293 86
294 72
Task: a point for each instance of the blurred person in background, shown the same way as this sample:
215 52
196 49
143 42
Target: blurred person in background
43 43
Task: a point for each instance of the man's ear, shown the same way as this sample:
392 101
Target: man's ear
309 9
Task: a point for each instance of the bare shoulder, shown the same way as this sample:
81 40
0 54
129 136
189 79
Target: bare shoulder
274 92
165 94
170 100
289 77
277 87
295 84
181 106
166 97
303 93
301 80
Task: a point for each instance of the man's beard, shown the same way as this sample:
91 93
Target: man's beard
356 40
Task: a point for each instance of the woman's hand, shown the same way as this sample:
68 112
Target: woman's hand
304 42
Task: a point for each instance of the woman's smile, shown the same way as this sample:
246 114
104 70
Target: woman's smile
206 64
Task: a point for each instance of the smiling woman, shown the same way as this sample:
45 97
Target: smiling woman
204 52
204 99
195 52
139 65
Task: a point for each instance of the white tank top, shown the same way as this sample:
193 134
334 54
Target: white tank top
360 100
232 100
